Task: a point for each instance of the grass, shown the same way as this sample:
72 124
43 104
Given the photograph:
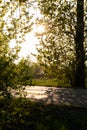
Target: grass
49 82
45 82
22 114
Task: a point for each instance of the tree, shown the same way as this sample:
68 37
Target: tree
57 58
57 49
7 66
61 21
15 19
79 42
36 71
24 69
14 24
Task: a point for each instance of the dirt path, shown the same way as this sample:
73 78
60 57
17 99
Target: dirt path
59 96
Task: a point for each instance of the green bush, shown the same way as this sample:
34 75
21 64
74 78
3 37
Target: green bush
22 114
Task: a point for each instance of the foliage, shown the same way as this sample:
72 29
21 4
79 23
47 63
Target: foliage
7 66
22 114
14 24
15 19
14 76
24 74
50 82
37 71
57 52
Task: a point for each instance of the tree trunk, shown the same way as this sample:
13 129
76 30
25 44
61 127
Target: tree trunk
80 51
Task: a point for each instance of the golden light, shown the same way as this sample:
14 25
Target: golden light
40 29
31 38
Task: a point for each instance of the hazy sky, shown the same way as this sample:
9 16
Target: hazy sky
29 46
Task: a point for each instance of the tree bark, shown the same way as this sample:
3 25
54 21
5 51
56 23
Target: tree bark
80 51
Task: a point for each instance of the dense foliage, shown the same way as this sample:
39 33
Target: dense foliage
58 51
14 24
21 114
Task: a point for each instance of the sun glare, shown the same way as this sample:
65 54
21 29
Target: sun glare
40 29
31 38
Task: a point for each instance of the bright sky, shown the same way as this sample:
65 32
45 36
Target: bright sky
29 46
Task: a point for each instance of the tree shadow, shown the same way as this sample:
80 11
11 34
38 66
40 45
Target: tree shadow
66 96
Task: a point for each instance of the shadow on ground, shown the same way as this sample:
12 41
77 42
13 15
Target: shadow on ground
65 96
